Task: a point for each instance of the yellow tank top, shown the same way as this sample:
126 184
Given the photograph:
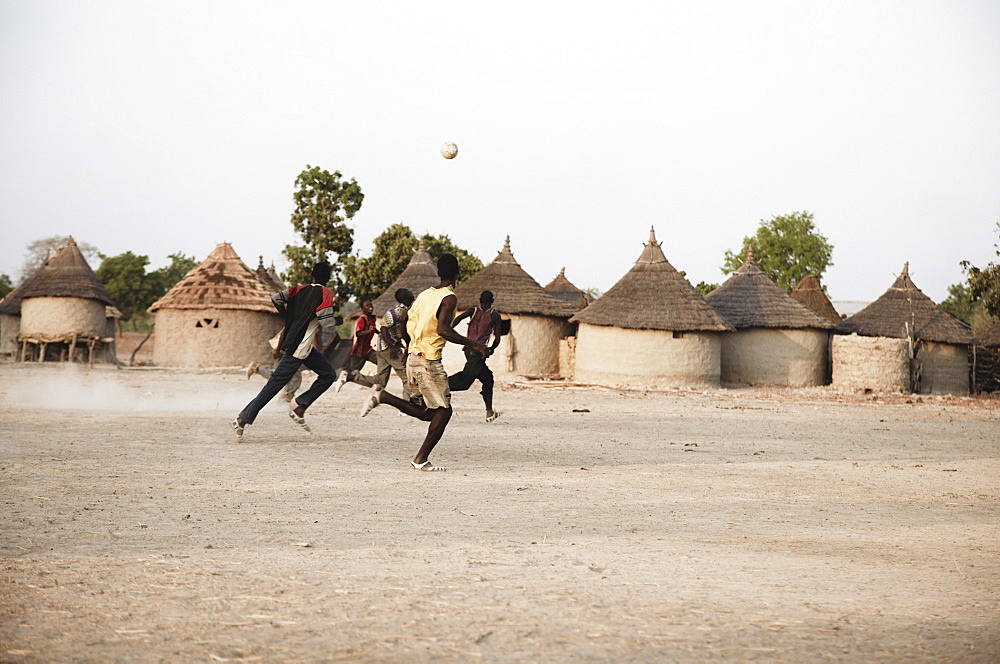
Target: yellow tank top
422 323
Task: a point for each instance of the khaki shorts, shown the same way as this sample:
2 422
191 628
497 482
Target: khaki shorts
427 378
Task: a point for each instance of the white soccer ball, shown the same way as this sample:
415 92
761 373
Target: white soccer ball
449 150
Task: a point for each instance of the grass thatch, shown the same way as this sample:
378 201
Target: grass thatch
514 291
653 296
221 281
563 289
810 293
750 299
904 303
65 274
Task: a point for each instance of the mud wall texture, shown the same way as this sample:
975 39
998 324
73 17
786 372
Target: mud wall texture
764 356
10 327
652 359
213 337
57 317
944 368
877 364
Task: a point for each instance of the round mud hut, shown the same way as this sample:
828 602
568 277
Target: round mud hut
778 341
902 342
62 304
538 321
810 293
651 330
219 315
269 277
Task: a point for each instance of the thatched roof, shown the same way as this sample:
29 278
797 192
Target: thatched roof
419 275
653 296
563 288
904 303
269 277
750 299
514 291
221 281
810 293
988 335
65 274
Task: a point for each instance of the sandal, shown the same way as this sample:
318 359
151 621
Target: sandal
427 467
490 418
301 421
238 428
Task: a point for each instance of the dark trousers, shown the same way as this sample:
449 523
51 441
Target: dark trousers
287 366
475 368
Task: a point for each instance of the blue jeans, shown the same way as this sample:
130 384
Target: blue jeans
287 366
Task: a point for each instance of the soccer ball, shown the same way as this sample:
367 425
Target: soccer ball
449 150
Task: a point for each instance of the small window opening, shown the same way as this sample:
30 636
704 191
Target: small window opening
207 322
678 335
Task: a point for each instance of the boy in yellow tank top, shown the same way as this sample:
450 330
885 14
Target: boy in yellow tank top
429 327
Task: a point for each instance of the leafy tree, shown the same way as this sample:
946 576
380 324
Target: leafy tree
367 278
786 248
5 285
984 284
322 205
132 288
166 277
125 278
40 251
705 288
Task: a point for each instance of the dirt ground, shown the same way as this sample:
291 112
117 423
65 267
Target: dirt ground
585 525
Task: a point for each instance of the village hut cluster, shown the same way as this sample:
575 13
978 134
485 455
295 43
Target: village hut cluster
651 330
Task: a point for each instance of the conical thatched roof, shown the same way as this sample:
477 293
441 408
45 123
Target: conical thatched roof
810 293
563 288
514 291
904 303
65 274
269 277
750 299
221 281
419 275
653 296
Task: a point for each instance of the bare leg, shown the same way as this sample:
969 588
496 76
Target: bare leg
438 418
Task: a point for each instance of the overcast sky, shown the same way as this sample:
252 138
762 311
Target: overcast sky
169 126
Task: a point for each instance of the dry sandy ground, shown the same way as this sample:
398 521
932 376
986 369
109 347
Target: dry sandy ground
748 525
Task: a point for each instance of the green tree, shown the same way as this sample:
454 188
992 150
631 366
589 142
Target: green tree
984 283
166 277
40 251
367 278
125 278
705 288
786 248
323 203
6 285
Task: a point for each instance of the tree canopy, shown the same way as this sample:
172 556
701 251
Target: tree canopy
132 288
984 283
323 204
6 285
787 248
367 278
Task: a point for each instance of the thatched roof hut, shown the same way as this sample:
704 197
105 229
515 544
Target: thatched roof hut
538 321
419 275
810 293
778 341
651 329
219 314
565 290
903 312
61 303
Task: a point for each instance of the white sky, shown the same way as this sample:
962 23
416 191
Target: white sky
170 126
